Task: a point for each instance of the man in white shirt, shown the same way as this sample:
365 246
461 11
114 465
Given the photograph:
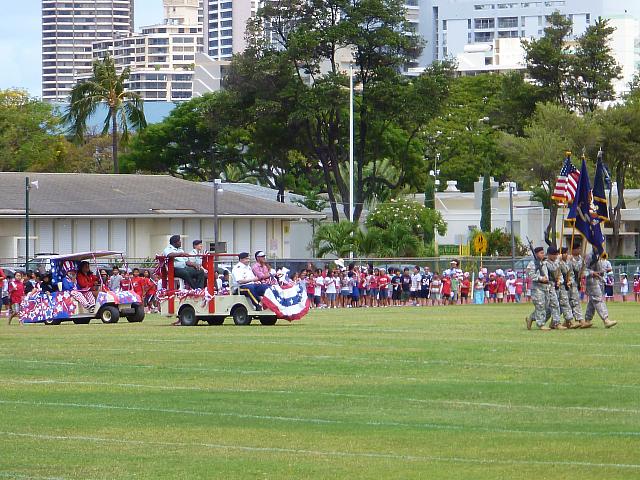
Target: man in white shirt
246 281
192 277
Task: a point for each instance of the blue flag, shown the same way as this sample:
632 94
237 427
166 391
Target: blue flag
584 212
600 182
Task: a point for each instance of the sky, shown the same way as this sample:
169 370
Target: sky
20 37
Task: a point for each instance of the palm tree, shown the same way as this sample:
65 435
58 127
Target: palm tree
335 238
105 86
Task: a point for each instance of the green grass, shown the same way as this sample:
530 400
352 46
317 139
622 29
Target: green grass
460 393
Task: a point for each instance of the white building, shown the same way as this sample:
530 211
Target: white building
478 33
137 214
225 24
68 32
162 57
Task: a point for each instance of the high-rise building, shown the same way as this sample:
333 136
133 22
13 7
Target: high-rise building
225 24
162 57
485 34
69 28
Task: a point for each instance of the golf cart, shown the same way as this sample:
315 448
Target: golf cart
54 308
193 305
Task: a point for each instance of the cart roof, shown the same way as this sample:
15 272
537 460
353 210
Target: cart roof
85 255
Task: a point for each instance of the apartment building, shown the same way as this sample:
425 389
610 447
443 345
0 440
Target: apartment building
225 23
69 28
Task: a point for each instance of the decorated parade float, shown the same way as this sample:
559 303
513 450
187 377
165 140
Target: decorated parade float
213 303
77 304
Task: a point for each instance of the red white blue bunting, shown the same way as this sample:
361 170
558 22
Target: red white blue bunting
288 302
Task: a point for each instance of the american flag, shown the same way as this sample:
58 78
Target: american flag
567 183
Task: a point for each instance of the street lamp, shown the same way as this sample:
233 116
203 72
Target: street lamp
512 186
351 205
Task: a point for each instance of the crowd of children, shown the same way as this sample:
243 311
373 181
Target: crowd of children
339 287
16 286
369 286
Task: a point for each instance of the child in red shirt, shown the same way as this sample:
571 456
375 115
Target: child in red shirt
446 289
493 288
16 295
465 287
501 286
125 282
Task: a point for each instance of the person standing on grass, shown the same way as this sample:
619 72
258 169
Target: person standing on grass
446 289
594 272
574 280
16 295
478 289
537 272
435 289
501 285
414 289
465 288
636 287
4 294
624 286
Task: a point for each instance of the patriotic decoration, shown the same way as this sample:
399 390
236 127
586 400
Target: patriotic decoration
600 182
182 295
567 183
585 213
38 307
117 298
288 302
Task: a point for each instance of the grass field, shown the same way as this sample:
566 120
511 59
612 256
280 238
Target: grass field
460 393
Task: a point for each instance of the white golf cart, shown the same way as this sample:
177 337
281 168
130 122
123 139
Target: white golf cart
193 305
54 308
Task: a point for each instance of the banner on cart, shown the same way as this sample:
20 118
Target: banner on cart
288 302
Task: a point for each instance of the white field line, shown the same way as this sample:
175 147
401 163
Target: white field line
325 374
329 453
16 475
324 421
342 358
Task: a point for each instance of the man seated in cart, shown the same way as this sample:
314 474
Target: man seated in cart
193 277
247 282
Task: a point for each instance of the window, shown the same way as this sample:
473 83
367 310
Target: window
484 23
508 22
486 6
488 60
444 25
483 36
508 34
507 5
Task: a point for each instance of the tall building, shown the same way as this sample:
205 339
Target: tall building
485 34
162 57
69 28
225 24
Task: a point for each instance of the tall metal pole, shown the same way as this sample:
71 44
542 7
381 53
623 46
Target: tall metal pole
215 227
26 223
351 204
513 237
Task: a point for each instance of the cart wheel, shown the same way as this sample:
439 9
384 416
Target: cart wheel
240 315
268 320
109 314
139 315
187 316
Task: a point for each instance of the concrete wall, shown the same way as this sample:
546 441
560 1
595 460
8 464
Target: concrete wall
143 237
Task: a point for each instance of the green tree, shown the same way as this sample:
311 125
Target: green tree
548 59
105 86
536 158
29 132
620 126
593 68
419 219
485 209
336 239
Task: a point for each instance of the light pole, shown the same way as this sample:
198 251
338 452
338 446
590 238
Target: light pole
27 187
351 205
513 237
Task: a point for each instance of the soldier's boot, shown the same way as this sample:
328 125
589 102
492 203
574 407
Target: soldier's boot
544 328
558 326
609 323
586 324
568 324
577 324
528 321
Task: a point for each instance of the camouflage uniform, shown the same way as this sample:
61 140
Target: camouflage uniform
563 290
575 272
553 306
538 291
594 288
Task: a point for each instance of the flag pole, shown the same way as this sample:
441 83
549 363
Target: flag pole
562 227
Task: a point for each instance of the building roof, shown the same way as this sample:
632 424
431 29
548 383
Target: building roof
82 194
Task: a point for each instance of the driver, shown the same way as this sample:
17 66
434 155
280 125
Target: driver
247 282
193 277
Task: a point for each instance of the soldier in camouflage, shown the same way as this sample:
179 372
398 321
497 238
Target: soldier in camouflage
555 280
563 288
576 271
595 272
537 272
